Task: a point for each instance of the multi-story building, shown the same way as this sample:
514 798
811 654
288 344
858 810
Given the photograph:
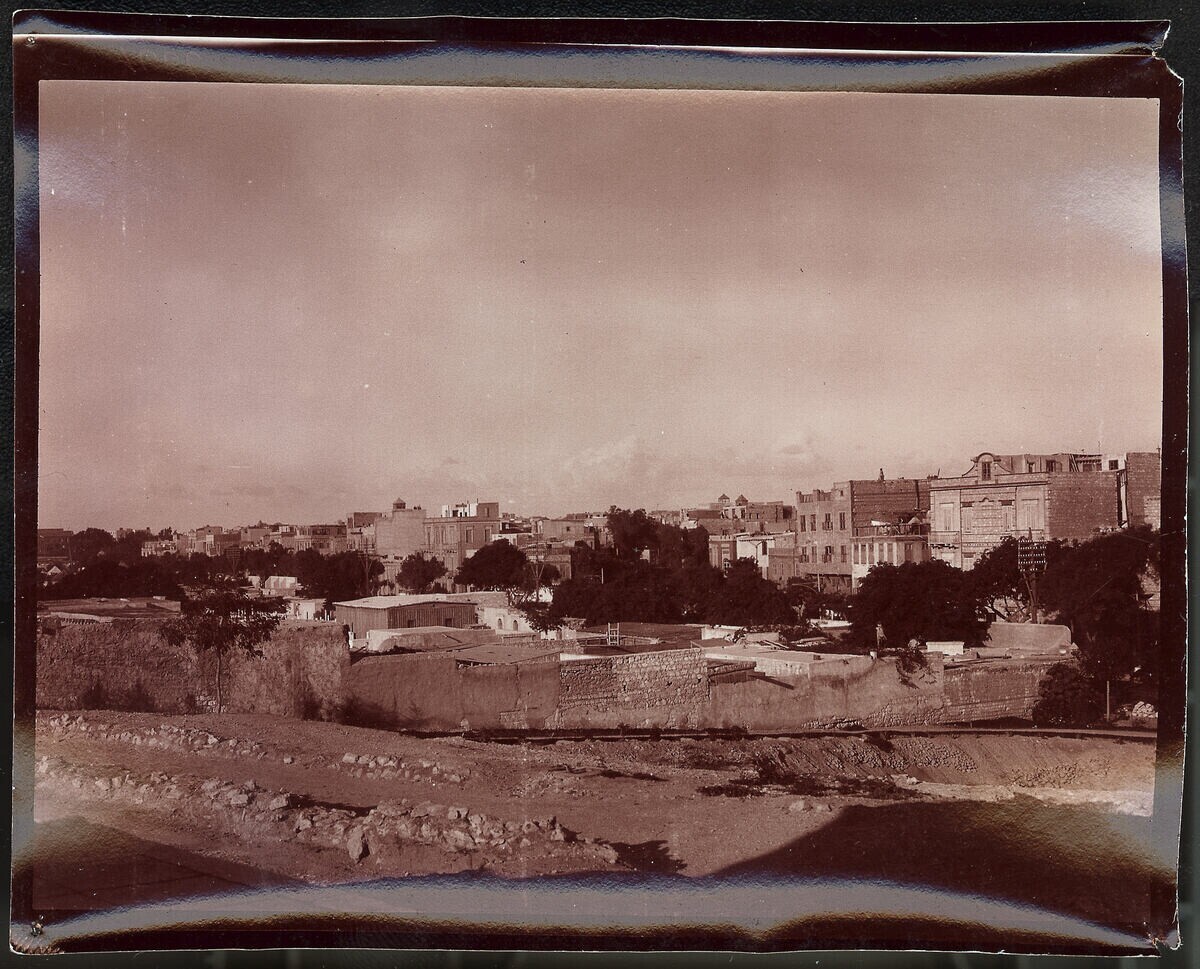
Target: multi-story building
835 527
724 550
53 545
462 530
394 536
326 539
158 546
1069 495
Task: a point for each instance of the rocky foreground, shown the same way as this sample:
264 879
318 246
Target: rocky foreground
328 803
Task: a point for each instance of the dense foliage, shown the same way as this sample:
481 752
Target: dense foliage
1100 590
1003 590
1068 697
418 572
116 568
917 600
498 565
660 573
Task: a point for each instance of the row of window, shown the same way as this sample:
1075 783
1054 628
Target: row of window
809 523
447 534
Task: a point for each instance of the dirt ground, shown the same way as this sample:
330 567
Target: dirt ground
328 804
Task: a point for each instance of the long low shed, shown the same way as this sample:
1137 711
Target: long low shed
382 612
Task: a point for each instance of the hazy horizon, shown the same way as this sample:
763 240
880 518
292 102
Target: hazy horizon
290 302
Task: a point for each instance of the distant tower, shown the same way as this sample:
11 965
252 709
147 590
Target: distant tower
399 505
881 474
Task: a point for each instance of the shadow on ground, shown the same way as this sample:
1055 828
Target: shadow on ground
1077 862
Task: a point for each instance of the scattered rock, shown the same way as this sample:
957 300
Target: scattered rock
798 807
356 846
279 802
239 799
349 758
288 759
303 823
459 840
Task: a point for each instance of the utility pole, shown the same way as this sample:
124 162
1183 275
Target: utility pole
1031 561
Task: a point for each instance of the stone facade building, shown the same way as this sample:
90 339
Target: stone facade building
1043 497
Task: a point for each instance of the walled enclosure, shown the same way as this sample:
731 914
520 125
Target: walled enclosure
306 672
125 665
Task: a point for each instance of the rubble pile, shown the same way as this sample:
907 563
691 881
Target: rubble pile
385 767
383 833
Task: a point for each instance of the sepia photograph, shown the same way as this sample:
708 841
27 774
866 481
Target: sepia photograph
667 499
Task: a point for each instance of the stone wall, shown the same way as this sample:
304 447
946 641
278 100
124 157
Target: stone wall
120 665
992 691
300 674
124 665
614 690
837 692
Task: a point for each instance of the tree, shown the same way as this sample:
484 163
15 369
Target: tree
633 531
223 621
1002 588
498 565
418 572
917 600
1096 588
1068 697
744 598
89 544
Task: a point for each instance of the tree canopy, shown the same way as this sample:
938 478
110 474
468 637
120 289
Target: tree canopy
917 600
498 565
1097 588
1001 587
419 571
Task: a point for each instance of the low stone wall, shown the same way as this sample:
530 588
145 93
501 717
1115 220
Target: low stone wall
665 688
124 665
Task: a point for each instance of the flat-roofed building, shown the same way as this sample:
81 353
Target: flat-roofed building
461 531
1042 497
404 611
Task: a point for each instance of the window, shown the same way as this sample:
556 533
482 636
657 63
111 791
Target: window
470 535
985 470
828 556
947 516
842 521
812 523
871 551
1029 467
802 524
843 553
828 523
1051 465
1114 465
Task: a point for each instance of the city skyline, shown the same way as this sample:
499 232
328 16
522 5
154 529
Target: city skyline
289 302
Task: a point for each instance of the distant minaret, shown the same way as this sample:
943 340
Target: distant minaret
881 474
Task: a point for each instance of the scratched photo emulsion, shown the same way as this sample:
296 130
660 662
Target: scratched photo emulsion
577 508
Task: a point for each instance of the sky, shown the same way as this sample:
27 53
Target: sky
289 302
